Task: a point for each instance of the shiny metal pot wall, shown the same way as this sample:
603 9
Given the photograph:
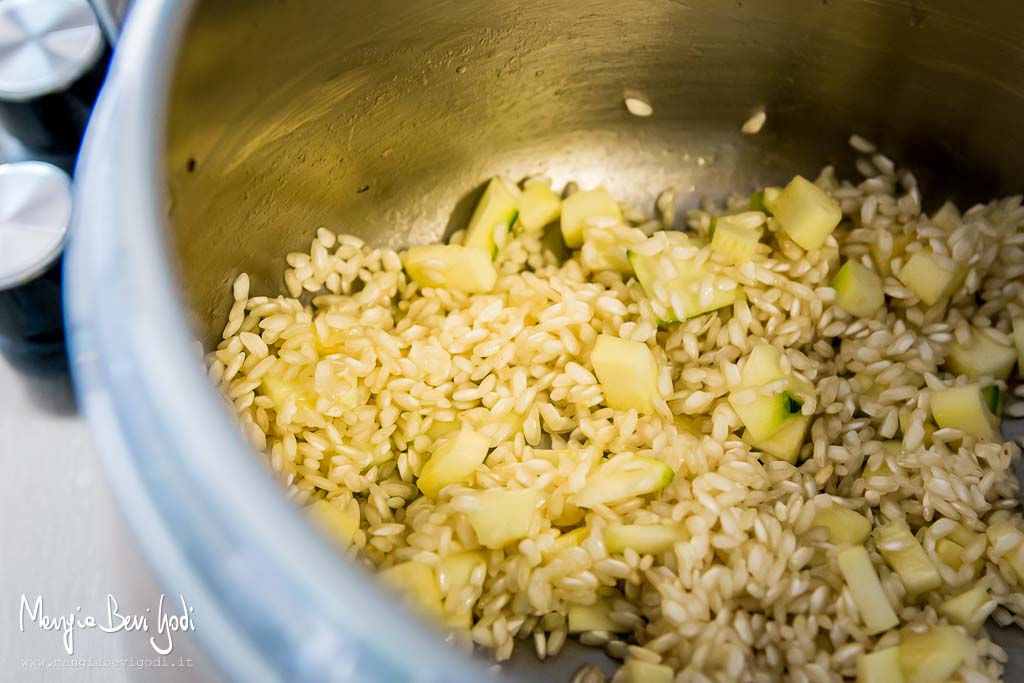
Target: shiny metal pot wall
237 130
378 117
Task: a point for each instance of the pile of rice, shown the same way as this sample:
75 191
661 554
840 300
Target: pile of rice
756 593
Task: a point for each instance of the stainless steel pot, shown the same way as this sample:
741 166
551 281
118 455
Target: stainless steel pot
228 133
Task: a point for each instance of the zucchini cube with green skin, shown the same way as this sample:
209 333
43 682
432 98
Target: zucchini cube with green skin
503 516
981 356
538 206
452 266
639 671
993 399
859 290
925 276
968 609
418 583
866 590
645 539
628 373
880 666
605 247
910 562
844 525
767 413
933 657
1018 341
806 213
596 617
453 460
786 443
494 215
623 477
340 525
964 408
596 206
673 286
734 240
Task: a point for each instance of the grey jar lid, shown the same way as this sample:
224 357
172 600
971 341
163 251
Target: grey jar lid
45 46
35 209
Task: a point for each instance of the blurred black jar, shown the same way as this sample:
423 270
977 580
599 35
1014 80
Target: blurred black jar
52 62
35 208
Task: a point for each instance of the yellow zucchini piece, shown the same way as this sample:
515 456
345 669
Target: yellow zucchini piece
866 590
453 460
646 539
926 277
964 408
806 213
735 239
538 206
639 671
947 217
911 563
932 657
844 525
595 206
859 290
880 666
623 477
570 539
418 583
628 373
503 516
981 356
966 609
786 443
596 617
453 266
494 215
1014 550
340 525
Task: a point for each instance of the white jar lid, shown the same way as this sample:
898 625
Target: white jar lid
45 46
35 209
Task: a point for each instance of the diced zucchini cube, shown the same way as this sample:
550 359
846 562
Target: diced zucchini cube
340 525
628 373
806 213
933 657
569 539
453 460
455 570
880 666
910 562
494 215
967 609
467 269
596 206
440 428
770 198
645 539
766 413
735 240
866 590
503 516
859 290
605 247
947 217
676 287
981 356
596 617
622 477
963 535
1005 535
844 525
538 206
639 671
964 408
927 278
418 583
993 399
883 262
786 443
1018 341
